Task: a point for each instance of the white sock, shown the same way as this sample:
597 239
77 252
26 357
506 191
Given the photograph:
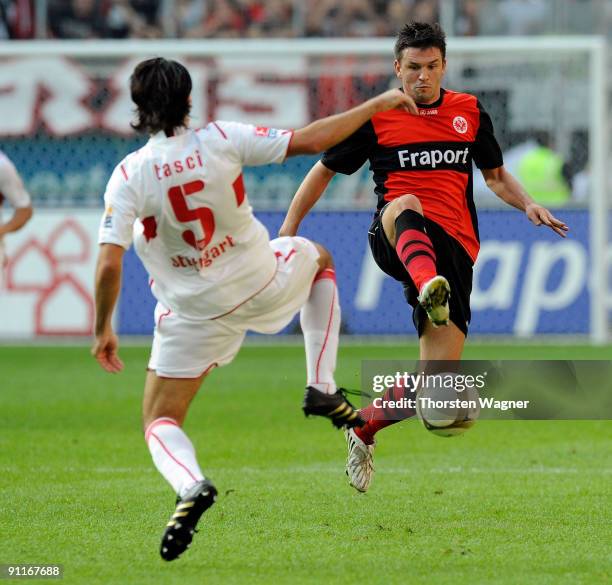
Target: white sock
320 321
173 454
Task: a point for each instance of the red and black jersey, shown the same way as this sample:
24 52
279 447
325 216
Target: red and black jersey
429 156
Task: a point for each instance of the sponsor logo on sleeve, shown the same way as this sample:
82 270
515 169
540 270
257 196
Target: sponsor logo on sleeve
265 132
108 217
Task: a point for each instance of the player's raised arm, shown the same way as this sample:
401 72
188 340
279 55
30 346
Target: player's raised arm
509 190
20 217
107 286
308 193
322 135
327 132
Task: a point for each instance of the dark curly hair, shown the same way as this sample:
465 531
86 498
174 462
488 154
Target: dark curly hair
160 89
420 35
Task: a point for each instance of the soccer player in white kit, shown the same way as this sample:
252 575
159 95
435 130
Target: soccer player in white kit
181 201
13 190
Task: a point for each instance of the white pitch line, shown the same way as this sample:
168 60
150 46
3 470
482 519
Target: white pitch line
438 470
334 469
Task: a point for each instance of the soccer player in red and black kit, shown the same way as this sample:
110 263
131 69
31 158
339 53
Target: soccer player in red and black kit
424 233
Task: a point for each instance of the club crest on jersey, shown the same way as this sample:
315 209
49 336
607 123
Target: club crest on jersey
460 124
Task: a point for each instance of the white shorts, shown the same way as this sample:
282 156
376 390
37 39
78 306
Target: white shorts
185 348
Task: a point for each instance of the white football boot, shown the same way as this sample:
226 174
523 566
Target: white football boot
433 298
359 463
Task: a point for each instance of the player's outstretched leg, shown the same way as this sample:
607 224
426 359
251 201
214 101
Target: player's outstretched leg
165 405
320 321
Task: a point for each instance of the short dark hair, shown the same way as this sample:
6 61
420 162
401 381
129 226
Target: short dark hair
420 35
160 89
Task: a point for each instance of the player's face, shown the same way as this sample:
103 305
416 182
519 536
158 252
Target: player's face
421 72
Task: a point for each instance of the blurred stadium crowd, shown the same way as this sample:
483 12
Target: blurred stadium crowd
94 19
551 158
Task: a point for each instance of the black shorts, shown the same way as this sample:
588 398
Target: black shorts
452 262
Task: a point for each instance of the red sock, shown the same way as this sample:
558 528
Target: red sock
414 248
379 418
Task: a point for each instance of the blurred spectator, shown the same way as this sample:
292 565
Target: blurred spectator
508 17
90 19
5 19
353 18
314 16
524 17
275 18
235 18
310 18
467 24
4 22
189 15
16 19
360 18
532 17
541 171
257 14
222 18
397 13
425 11
512 160
76 19
132 19
147 9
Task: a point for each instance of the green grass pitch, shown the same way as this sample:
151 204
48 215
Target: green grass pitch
516 502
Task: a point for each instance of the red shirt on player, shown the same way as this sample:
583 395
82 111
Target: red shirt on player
429 156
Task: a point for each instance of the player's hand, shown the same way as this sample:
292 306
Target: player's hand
394 98
105 351
541 216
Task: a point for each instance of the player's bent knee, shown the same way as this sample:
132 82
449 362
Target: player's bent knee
162 414
405 202
150 425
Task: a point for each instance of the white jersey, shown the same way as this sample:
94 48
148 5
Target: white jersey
182 201
11 185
